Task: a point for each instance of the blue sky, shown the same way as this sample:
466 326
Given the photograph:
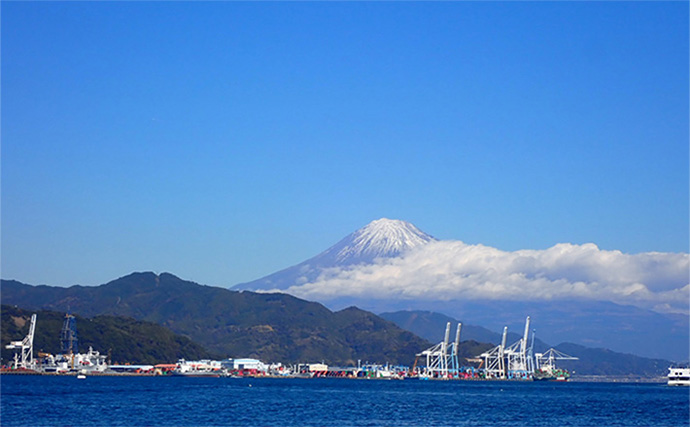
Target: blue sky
224 141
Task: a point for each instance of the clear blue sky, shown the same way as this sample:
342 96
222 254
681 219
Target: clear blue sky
224 141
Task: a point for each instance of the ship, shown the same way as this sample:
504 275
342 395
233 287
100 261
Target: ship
70 360
546 366
551 375
679 376
91 362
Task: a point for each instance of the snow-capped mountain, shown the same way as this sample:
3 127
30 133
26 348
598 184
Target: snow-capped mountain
391 265
383 238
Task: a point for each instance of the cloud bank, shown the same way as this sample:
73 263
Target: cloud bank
453 270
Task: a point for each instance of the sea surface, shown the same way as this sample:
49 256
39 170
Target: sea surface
178 401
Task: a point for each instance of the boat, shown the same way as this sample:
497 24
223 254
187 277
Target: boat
91 362
546 366
69 360
679 376
551 375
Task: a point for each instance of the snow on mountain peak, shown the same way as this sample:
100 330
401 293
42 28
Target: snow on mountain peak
381 238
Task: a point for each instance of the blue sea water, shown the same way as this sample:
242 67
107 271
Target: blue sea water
178 401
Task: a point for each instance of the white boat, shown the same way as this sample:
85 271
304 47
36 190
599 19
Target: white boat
679 376
91 362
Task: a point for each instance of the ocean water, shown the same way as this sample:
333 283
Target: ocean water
178 401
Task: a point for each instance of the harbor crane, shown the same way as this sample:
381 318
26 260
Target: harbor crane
25 348
515 360
520 360
455 351
494 360
68 335
442 359
547 361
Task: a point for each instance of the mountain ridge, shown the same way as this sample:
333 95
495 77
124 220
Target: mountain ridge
268 326
274 326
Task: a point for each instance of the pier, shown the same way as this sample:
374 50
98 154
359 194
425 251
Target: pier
439 362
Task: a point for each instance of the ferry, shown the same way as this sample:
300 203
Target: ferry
679 376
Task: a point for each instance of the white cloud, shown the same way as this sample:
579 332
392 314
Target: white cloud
451 270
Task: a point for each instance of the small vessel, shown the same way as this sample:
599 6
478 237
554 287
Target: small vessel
81 377
679 376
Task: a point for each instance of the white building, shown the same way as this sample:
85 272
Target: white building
318 367
244 364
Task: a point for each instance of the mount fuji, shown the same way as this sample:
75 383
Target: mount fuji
380 239
633 303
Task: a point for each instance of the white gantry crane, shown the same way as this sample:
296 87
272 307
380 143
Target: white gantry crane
494 359
455 351
514 361
546 362
442 359
519 356
24 350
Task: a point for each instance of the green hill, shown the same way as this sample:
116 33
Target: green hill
125 340
271 327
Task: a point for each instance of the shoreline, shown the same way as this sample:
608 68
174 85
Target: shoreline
574 379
